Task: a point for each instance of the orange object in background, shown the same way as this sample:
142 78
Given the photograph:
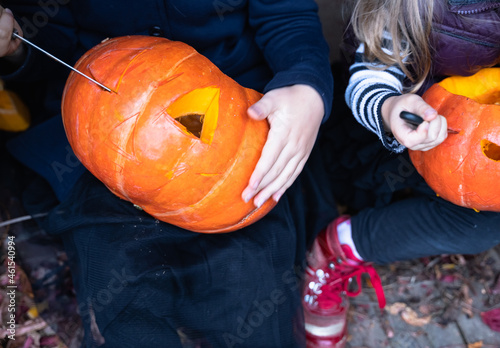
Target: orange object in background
465 168
14 114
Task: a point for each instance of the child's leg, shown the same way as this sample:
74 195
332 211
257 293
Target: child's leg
422 226
408 229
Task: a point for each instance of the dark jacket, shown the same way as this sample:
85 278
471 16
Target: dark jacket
261 44
251 41
466 36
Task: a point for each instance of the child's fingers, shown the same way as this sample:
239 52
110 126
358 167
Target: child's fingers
424 110
430 136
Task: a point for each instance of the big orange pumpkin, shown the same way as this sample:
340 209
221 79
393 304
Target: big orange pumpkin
465 168
173 137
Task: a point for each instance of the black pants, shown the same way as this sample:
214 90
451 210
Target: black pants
423 226
145 283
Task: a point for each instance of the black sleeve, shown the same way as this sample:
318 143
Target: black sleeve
290 35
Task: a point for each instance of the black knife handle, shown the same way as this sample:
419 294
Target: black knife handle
411 118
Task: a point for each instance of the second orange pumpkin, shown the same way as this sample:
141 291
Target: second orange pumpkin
465 168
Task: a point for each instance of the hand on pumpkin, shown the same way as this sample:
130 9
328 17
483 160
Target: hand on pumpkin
11 49
429 134
294 114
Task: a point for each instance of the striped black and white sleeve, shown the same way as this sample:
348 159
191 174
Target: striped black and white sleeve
369 86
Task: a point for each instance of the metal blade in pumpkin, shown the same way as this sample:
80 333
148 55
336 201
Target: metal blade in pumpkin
15 35
415 120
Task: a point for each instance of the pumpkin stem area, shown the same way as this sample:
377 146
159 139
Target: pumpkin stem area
483 87
490 150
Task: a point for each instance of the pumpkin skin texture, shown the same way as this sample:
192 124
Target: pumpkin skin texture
465 168
145 140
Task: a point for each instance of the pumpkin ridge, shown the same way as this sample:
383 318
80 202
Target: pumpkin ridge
179 62
178 165
235 225
213 190
459 164
177 169
169 79
116 129
218 183
121 152
129 136
229 169
127 68
117 149
162 113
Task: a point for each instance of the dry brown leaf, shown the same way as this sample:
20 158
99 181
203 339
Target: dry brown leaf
411 317
448 266
437 272
426 309
467 301
387 327
395 308
478 344
458 259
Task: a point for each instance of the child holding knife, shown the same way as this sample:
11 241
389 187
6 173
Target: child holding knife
404 47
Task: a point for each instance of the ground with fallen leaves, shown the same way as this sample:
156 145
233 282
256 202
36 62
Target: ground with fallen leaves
447 301
435 293
33 267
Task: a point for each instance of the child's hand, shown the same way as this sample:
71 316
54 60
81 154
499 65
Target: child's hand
429 134
294 114
8 47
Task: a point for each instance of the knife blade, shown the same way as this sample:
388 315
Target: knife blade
414 120
15 35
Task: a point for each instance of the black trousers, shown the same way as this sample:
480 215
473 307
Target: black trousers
144 283
423 226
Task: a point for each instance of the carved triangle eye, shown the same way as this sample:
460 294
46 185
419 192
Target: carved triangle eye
490 150
193 123
197 112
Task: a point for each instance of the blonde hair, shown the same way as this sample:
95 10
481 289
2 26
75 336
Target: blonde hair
409 24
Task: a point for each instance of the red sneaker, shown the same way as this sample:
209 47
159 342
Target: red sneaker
331 268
